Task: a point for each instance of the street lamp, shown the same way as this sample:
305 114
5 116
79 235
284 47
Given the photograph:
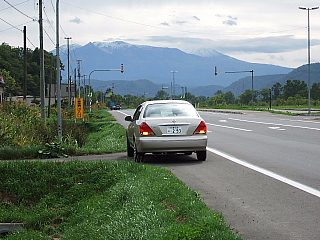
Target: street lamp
173 87
309 78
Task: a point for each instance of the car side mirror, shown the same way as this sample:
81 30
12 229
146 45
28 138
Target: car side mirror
128 118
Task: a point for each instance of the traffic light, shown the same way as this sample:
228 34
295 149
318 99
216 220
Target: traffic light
122 68
215 71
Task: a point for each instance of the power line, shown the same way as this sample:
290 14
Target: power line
17 29
49 36
52 28
10 25
20 11
54 10
14 5
31 42
44 9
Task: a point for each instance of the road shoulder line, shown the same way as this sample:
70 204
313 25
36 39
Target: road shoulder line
268 173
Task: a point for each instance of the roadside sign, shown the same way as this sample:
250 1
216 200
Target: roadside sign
79 108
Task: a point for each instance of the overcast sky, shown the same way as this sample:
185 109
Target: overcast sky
262 31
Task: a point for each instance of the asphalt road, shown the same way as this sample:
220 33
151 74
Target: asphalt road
262 173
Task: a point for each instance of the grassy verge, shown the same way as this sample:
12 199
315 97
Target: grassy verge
103 200
98 134
105 137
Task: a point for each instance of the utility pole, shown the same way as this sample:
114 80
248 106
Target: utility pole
69 78
174 85
50 86
42 80
58 74
75 83
25 62
79 75
84 90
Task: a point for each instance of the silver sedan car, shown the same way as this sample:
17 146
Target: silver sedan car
166 127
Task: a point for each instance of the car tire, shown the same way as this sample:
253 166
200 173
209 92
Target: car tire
201 155
130 150
138 157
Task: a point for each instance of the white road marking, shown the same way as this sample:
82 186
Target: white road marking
275 124
305 121
268 173
277 128
240 129
123 113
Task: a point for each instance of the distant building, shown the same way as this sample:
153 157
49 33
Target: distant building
2 88
51 95
66 91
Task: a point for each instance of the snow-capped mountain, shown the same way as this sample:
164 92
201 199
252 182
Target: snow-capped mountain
156 63
205 52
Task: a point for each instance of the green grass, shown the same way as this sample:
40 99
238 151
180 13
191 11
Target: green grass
97 135
105 137
103 200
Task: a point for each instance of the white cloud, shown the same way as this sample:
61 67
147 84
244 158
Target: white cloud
264 30
250 45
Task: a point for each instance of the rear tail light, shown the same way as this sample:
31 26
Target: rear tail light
145 130
202 128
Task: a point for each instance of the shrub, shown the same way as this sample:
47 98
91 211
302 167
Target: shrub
20 124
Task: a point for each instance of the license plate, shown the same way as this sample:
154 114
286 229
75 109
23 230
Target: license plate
174 130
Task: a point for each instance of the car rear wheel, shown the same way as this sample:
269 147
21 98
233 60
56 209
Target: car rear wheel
138 157
130 150
201 155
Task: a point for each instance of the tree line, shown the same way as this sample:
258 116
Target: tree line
294 93
12 69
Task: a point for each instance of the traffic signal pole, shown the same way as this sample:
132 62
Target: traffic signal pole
102 70
216 73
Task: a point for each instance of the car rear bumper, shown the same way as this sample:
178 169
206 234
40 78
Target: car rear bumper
171 144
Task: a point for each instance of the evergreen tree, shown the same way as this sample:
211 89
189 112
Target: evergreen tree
315 91
295 87
12 61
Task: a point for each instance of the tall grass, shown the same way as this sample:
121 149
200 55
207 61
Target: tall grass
105 137
103 200
20 125
23 133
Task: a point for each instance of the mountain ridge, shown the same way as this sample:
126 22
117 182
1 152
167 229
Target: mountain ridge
156 64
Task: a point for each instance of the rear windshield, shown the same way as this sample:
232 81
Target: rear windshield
170 110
